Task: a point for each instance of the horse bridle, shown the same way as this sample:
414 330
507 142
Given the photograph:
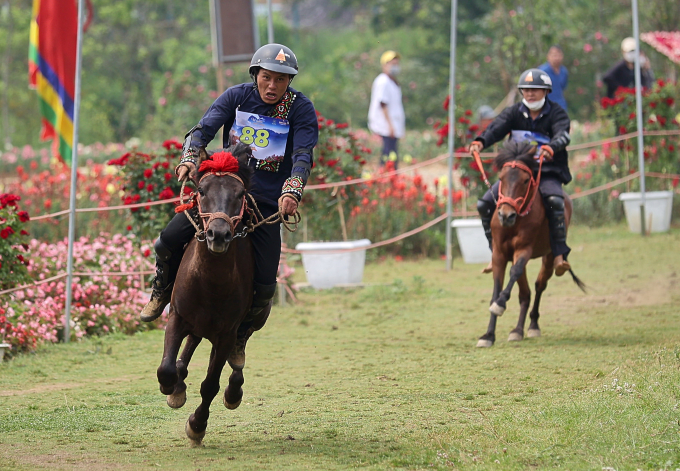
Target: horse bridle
519 202
207 218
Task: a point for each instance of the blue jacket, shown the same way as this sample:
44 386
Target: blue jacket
302 138
559 83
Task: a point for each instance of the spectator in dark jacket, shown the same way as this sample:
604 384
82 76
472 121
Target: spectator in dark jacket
622 74
545 124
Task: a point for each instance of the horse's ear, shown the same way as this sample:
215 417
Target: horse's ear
202 155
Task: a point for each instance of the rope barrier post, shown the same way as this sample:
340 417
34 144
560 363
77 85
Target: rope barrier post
452 121
74 176
638 109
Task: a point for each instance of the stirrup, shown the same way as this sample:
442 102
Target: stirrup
154 308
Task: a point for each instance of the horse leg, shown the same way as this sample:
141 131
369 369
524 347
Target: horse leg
234 392
498 306
179 394
198 421
167 371
488 339
541 284
524 299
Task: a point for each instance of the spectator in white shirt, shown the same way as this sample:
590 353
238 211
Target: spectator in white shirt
386 112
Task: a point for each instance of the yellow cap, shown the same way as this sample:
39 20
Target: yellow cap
388 56
628 45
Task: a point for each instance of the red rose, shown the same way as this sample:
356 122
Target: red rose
149 187
148 172
4 233
23 216
141 184
147 252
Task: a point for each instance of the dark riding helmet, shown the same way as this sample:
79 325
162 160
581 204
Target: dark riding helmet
534 78
274 57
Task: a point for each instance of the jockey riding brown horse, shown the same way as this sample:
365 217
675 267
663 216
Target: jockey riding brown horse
213 291
519 233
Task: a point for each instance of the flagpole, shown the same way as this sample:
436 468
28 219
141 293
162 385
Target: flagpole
452 124
638 110
74 176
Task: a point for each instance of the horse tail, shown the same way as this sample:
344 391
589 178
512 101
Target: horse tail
578 281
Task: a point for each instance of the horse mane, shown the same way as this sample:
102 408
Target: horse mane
515 150
222 160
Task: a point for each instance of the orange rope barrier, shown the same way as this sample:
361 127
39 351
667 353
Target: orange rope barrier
606 186
80 273
377 244
354 181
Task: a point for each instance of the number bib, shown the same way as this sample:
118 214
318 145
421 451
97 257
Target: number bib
534 138
266 136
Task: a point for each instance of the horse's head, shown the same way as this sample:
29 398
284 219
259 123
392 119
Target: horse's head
517 165
222 181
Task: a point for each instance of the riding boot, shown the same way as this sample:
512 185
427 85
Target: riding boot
486 211
554 210
167 264
254 321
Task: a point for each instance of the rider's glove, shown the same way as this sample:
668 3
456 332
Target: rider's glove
476 146
547 152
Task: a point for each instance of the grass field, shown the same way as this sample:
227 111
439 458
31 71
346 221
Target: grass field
388 376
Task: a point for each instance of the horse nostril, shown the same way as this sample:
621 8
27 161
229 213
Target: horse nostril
210 234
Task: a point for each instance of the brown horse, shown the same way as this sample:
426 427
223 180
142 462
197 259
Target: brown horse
520 232
214 286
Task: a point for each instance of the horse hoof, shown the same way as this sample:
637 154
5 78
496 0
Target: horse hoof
231 406
177 400
196 438
515 337
496 310
483 343
533 333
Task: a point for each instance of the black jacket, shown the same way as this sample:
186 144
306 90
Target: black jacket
553 122
620 75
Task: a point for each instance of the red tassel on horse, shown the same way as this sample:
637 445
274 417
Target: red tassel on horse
220 162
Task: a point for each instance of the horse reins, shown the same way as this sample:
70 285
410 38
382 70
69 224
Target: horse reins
250 226
519 202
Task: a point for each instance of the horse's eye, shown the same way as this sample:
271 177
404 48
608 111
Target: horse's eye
200 191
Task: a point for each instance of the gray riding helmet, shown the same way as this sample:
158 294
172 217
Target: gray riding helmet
534 78
274 57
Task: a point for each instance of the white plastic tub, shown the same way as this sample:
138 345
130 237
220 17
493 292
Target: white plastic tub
472 241
4 347
326 269
658 209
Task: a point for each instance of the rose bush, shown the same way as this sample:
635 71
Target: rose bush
465 132
13 242
146 178
100 304
339 156
660 113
